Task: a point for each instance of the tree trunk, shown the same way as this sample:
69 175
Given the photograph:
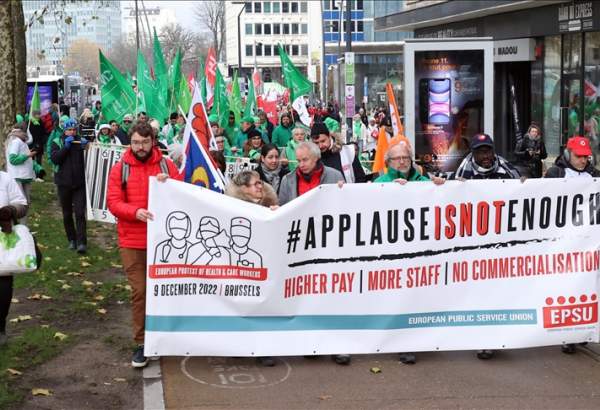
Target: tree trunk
18 20
7 75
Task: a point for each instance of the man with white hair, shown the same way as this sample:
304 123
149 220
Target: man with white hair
310 173
400 168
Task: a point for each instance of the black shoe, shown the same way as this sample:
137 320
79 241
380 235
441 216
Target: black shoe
72 245
266 361
342 359
82 249
139 360
485 354
408 358
568 348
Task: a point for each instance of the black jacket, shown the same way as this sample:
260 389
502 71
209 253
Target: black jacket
70 163
333 160
558 169
123 136
39 136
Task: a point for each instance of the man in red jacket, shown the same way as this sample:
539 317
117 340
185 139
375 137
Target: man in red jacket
128 200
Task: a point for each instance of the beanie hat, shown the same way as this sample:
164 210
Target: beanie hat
332 124
318 128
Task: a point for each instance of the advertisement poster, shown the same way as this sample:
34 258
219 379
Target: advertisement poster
463 266
45 97
448 104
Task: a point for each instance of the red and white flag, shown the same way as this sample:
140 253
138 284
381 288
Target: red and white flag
210 71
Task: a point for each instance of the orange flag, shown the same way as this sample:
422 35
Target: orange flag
382 147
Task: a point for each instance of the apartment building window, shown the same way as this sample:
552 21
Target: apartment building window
248 7
267 6
304 49
276 8
304 28
248 28
359 5
285 7
294 7
360 26
295 28
276 28
258 49
267 29
248 51
286 28
294 50
258 28
267 50
335 26
257 7
303 7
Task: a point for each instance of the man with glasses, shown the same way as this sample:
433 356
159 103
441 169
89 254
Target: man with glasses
400 167
127 199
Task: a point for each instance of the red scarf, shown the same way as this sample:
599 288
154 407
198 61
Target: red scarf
310 181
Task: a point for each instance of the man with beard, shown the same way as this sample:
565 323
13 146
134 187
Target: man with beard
127 199
483 162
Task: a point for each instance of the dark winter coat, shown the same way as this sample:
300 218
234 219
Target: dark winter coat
558 170
69 162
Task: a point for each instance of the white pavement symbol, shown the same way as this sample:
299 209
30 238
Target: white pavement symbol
154 398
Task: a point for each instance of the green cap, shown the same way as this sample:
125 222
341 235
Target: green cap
213 118
332 125
249 119
19 118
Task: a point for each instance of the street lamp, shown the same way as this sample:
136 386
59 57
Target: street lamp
239 24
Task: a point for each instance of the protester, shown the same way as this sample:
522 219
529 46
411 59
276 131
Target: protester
253 145
283 132
106 135
231 130
243 135
271 169
531 150
67 155
38 134
483 162
19 162
127 199
123 133
360 132
168 130
248 186
575 161
289 154
142 117
265 125
13 205
97 111
87 125
401 168
371 142
344 158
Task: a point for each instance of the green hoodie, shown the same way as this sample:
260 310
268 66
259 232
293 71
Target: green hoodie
281 135
393 174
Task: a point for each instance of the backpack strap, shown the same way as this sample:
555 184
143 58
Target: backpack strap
164 167
124 174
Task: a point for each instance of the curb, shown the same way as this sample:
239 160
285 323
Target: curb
154 398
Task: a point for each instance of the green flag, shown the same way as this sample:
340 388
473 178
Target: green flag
201 78
185 96
220 105
293 78
35 100
149 90
160 73
250 100
174 82
235 99
118 98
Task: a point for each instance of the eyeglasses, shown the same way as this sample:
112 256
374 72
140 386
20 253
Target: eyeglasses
400 158
141 143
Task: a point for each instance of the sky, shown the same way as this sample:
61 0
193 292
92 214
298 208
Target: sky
184 11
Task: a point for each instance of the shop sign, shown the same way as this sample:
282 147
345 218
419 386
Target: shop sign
576 16
518 49
349 67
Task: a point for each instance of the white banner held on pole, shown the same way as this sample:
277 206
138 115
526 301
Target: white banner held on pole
462 266
99 159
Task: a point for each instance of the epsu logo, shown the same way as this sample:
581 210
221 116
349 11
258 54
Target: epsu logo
573 314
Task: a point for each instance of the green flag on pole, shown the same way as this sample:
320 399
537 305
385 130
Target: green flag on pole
35 100
185 96
149 89
160 73
174 82
293 78
235 99
118 98
201 78
221 105
250 100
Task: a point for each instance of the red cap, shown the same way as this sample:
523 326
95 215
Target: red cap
579 145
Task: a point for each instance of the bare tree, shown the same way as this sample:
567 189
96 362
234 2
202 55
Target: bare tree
83 58
211 14
173 37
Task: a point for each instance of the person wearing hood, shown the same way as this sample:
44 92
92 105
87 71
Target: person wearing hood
106 136
575 161
344 158
67 154
243 135
531 150
298 136
19 162
232 129
283 132
483 162
122 133
265 126
272 168
38 133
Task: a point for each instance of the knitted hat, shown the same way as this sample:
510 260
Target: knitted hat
319 128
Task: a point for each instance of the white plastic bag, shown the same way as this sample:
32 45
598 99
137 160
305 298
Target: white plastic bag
17 251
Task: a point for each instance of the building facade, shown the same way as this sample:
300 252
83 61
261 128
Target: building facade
255 28
150 18
548 51
48 42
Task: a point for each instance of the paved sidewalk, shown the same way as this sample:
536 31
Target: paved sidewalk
527 378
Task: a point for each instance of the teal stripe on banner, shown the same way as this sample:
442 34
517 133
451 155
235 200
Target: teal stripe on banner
340 322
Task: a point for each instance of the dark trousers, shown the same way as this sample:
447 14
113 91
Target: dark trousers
6 294
72 200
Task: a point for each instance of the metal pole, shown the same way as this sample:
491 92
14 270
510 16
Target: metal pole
339 53
349 49
323 66
137 28
240 40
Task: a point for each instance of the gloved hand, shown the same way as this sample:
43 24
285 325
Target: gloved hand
68 142
83 142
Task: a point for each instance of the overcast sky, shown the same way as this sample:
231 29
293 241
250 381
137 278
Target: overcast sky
184 11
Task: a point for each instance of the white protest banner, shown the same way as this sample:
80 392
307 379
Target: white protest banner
373 268
238 165
99 159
